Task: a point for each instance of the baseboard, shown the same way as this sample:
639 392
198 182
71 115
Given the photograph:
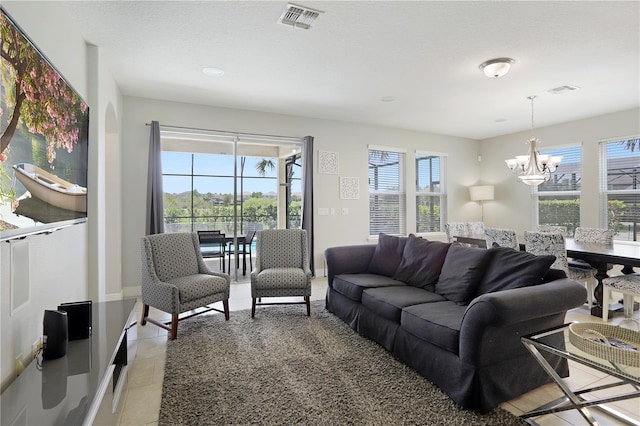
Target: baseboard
113 296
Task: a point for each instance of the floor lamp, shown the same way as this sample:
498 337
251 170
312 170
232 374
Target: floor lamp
481 193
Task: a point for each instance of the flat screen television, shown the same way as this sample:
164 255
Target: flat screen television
44 132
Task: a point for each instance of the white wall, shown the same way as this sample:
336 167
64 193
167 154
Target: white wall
349 140
513 202
59 265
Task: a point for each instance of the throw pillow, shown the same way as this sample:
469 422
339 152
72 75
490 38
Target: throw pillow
421 262
509 268
461 273
387 255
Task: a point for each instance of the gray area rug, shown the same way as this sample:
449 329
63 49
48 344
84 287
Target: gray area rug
286 368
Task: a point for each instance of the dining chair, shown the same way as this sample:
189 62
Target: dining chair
175 280
455 228
581 271
213 245
475 228
244 249
554 229
502 237
628 285
282 267
594 235
541 243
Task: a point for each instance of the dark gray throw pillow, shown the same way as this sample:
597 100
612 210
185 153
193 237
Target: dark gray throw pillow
421 262
387 255
509 268
461 273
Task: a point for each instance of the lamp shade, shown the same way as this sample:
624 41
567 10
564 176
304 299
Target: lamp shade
481 192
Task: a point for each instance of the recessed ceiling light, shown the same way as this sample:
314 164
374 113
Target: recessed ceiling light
387 99
496 68
216 72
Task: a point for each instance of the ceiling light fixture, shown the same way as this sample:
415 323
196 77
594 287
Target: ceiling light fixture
533 168
496 68
215 72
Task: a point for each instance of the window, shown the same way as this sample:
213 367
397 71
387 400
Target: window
620 187
387 195
198 192
557 201
430 192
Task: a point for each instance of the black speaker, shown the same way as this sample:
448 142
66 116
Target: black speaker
55 339
79 318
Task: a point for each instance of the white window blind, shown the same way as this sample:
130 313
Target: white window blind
620 187
430 192
557 201
387 194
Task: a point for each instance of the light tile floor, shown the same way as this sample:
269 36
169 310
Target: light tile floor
141 402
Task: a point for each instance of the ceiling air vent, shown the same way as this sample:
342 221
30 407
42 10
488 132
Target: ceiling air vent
562 89
299 16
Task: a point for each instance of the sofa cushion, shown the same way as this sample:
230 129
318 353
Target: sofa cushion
387 255
389 301
421 262
461 273
352 285
437 323
509 268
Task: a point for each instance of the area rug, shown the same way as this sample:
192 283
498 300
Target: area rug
286 368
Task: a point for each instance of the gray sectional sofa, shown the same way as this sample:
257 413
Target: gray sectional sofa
455 314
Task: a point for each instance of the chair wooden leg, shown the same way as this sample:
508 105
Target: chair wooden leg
174 326
225 303
145 314
307 300
253 308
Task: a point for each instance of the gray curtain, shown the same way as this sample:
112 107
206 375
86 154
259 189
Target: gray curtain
307 191
155 209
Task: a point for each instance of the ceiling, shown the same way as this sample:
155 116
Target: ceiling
424 54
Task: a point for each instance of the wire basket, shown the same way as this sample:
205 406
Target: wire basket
613 343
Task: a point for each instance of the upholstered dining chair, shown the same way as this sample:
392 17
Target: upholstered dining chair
475 228
541 243
581 271
554 229
282 267
175 279
455 228
628 285
502 237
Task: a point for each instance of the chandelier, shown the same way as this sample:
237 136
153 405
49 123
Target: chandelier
533 168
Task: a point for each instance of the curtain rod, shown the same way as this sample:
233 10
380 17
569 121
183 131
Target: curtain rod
226 132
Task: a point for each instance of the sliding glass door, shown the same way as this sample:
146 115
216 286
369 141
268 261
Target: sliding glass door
231 185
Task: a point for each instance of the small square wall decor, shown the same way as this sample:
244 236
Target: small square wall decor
328 162
349 188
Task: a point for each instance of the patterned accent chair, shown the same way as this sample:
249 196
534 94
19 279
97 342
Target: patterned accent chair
553 229
628 285
175 279
540 243
581 271
455 228
282 267
502 237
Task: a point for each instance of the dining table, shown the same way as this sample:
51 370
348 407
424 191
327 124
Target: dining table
599 256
